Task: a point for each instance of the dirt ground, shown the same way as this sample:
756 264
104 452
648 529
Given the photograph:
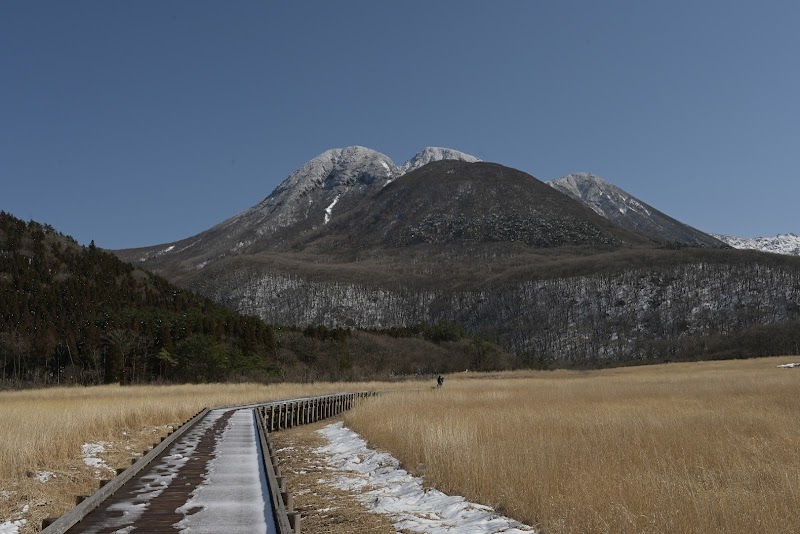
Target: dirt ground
324 508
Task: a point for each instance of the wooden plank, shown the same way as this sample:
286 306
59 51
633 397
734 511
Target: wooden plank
68 520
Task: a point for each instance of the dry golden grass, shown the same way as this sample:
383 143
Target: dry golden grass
43 430
324 508
706 447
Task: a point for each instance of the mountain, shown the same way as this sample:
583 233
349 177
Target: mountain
351 240
354 203
629 212
456 203
788 244
330 183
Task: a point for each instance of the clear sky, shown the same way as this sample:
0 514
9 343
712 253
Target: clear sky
141 122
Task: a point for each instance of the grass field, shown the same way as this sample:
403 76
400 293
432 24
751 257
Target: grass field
709 447
43 431
689 448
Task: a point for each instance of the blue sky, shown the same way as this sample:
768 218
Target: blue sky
142 122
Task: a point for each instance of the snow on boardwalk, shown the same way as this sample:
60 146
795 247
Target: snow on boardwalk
385 488
232 497
211 480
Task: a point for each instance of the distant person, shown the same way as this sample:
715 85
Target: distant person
440 381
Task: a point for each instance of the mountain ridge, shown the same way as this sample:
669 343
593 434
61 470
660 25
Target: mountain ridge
787 244
627 211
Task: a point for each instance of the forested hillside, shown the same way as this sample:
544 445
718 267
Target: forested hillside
662 305
74 314
80 314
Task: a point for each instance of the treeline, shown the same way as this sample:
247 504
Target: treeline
332 354
78 314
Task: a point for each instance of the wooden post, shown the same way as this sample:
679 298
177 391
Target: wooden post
288 502
294 522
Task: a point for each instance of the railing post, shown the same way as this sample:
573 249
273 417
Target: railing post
294 522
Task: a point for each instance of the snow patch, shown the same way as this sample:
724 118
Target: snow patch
156 253
44 476
386 488
329 209
90 451
12 527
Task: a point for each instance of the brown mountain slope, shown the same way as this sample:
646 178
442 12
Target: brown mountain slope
459 203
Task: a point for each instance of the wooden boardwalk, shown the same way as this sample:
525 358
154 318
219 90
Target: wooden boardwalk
159 499
216 474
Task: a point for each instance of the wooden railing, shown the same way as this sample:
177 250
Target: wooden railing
281 415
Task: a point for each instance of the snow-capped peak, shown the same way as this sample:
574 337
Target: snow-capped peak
330 179
346 166
623 209
602 196
578 183
788 244
339 166
435 153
